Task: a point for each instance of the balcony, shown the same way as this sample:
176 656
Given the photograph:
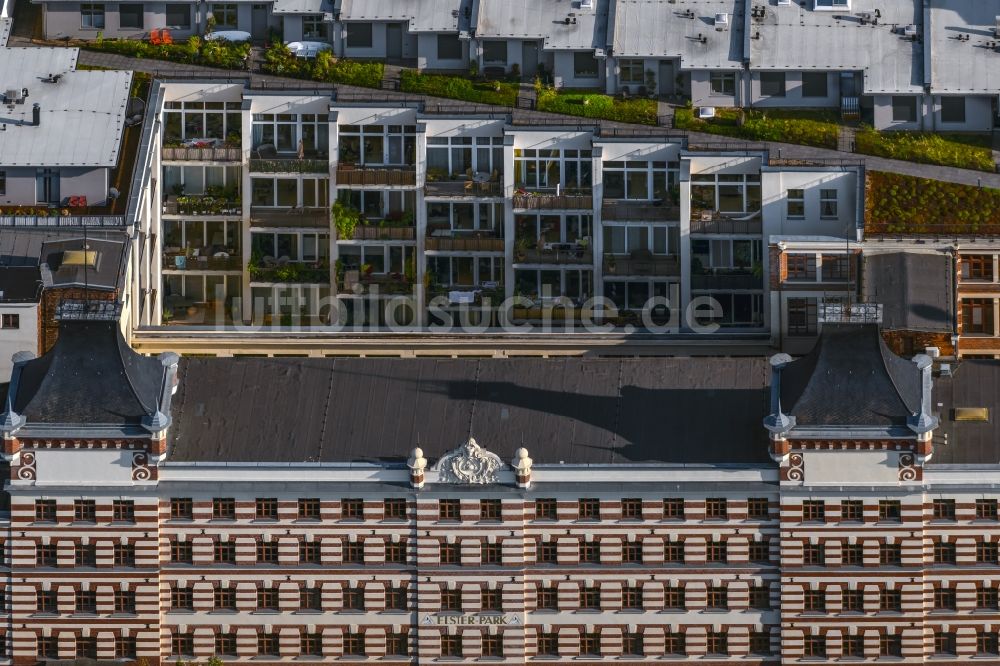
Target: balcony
554 253
203 154
545 201
713 222
202 204
180 261
468 295
30 216
725 279
479 185
621 210
387 176
312 218
447 240
642 262
352 281
291 165
272 271
376 232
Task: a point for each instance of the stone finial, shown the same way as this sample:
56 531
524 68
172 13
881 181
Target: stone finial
417 464
522 468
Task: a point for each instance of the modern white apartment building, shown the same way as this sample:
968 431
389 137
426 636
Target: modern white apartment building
439 212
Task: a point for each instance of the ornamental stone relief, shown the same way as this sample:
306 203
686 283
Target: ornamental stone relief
469 463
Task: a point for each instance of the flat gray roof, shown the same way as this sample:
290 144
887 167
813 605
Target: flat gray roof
546 20
794 37
82 114
422 15
302 6
914 288
663 29
964 66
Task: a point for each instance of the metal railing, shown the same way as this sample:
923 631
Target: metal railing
654 265
289 217
202 154
375 232
388 176
722 225
289 165
462 188
726 281
622 210
62 221
554 201
463 243
201 205
578 255
171 263
903 230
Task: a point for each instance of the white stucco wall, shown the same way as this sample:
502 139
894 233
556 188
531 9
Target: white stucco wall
23 338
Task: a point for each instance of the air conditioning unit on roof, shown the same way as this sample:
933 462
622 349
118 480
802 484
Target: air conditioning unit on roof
910 30
784 2
722 21
586 4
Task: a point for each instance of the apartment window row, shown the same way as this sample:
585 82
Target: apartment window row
397 644
266 508
851 554
852 646
632 552
85 602
795 204
715 508
85 511
85 555
853 510
946 509
85 647
716 644
309 552
310 599
632 598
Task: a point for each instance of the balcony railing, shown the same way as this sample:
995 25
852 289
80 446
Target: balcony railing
463 188
202 154
469 241
291 165
201 204
713 223
390 176
291 272
174 261
536 200
62 220
374 232
352 282
617 210
289 217
555 253
652 265
726 280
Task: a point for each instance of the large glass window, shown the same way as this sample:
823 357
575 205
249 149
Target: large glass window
624 239
772 84
449 47
723 83
225 15
179 16
535 229
92 16
549 284
359 35
495 53
465 271
314 27
284 192
544 169
454 157
631 71
904 109
726 193
585 65
189 121
444 218
130 16
642 181
378 145
814 84
953 109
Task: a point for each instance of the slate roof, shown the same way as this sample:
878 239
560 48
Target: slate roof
850 378
90 377
974 383
914 288
577 411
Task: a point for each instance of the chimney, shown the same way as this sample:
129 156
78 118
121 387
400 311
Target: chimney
36 115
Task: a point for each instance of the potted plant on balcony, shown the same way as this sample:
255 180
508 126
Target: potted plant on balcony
346 218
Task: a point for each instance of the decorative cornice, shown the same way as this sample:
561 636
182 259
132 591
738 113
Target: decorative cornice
470 463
